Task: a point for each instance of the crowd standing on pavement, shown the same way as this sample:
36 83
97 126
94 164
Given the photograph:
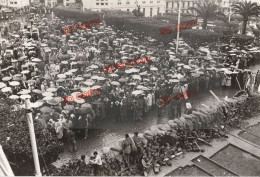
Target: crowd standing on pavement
41 64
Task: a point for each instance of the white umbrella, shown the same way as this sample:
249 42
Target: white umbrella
6 89
79 79
47 94
68 73
153 69
93 66
51 89
88 83
36 60
61 76
25 97
47 98
14 83
2 85
14 97
95 87
137 92
94 77
6 78
114 75
24 92
25 72
37 104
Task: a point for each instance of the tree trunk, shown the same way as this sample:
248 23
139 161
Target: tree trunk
204 24
244 26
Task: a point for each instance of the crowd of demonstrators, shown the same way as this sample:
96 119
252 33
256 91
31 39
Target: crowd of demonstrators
146 154
41 64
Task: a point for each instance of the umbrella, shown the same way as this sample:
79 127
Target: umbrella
24 92
88 83
2 85
14 97
52 102
25 97
114 75
85 110
6 78
69 107
137 92
37 91
153 69
46 109
36 60
86 105
93 66
122 80
51 89
25 72
37 104
115 83
6 89
61 76
79 79
47 98
47 94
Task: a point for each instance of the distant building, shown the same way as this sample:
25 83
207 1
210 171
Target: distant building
50 3
68 2
172 6
148 7
14 3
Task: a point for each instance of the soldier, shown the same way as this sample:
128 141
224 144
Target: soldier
123 109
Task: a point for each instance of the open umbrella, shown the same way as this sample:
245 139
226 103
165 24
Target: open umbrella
14 83
47 94
52 102
6 89
25 97
46 109
51 89
6 78
14 97
137 92
37 91
2 85
115 83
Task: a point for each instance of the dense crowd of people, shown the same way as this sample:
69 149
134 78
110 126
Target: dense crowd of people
41 64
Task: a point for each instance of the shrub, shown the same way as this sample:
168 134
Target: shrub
18 148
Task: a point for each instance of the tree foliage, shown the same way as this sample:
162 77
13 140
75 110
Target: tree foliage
246 10
18 148
207 11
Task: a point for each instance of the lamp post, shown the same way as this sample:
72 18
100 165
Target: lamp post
32 137
178 31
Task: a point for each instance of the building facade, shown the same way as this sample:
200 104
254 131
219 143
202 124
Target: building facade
14 3
173 5
51 3
67 2
148 7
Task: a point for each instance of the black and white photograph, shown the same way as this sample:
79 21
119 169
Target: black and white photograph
130 88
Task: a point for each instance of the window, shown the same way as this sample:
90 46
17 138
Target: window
106 3
97 3
102 4
151 2
127 10
127 2
11 2
15 2
102 0
143 2
158 2
119 3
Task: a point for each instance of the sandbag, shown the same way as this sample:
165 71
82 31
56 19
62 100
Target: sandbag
149 133
116 148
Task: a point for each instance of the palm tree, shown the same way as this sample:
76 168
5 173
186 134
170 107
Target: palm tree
207 11
246 9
